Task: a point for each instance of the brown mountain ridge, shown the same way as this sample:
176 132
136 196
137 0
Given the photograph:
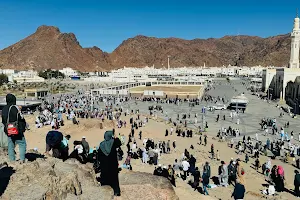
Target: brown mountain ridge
49 48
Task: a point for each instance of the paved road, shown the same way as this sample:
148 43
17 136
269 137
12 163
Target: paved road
249 121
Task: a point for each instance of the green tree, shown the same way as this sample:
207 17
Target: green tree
48 74
3 79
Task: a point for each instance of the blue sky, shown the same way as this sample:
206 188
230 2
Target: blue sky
107 23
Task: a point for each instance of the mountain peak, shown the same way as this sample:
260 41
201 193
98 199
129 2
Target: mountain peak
45 28
49 48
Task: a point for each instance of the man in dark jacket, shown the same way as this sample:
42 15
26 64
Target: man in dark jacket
239 191
54 140
11 113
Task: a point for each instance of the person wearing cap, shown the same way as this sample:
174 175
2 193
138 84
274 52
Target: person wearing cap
85 145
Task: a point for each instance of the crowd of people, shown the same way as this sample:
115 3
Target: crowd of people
107 155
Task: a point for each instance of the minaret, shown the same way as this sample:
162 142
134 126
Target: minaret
295 42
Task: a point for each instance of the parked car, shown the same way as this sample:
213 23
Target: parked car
219 107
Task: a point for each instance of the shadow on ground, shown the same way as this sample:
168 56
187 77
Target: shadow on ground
5 174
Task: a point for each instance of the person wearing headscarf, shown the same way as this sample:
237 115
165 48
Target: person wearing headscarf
11 114
297 183
107 155
268 168
280 179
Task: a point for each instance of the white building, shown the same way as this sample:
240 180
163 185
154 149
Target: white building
25 76
7 71
283 82
68 72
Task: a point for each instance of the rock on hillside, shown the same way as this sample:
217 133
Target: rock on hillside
51 179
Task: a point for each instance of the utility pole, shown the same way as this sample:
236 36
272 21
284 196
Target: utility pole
203 118
169 62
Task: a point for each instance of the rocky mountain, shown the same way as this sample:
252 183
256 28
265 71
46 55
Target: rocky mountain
49 48
233 50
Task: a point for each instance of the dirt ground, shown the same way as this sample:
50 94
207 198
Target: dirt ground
90 128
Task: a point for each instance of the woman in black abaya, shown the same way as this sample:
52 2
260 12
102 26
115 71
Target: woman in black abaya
107 155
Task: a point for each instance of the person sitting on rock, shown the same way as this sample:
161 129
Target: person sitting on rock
79 152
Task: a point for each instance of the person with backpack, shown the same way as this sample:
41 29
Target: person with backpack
14 128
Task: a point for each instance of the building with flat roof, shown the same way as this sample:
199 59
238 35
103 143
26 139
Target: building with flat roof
37 93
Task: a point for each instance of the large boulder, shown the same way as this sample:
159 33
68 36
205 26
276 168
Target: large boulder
52 179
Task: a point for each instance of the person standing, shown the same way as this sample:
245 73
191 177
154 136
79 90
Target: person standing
174 145
200 140
140 135
206 169
14 128
168 147
185 165
212 151
107 155
205 140
297 183
218 155
205 182
232 173
223 177
85 145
